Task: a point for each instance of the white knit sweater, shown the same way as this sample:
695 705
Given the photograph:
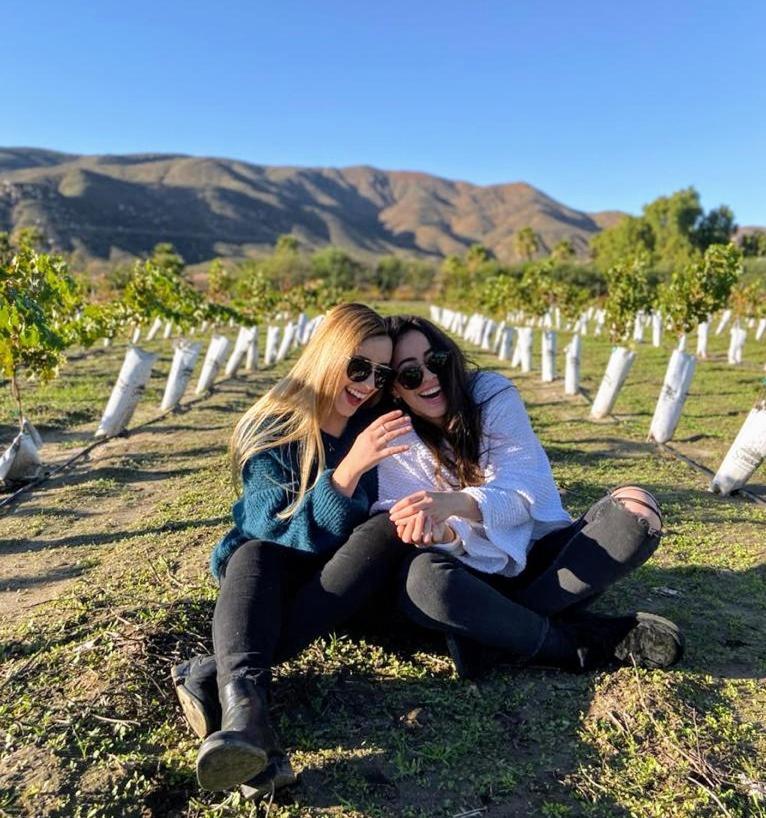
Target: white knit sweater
518 500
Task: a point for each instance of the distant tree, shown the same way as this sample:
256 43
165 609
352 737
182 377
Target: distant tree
389 274
337 268
754 244
629 237
563 251
220 282
167 259
455 280
419 276
526 243
6 248
476 256
714 227
286 267
286 243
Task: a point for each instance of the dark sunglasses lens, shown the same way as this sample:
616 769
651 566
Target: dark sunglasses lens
436 361
410 377
382 376
359 369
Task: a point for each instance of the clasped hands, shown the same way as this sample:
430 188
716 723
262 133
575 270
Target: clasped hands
420 518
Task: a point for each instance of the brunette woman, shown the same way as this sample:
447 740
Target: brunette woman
515 571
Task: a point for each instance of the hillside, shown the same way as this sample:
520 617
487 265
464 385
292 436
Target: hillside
104 206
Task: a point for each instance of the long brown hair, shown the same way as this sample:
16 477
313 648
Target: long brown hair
462 424
293 409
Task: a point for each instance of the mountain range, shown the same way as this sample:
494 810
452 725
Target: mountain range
111 205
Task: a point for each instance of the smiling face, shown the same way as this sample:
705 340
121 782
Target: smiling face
428 400
352 394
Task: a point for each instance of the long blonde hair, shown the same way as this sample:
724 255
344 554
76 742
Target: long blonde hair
292 410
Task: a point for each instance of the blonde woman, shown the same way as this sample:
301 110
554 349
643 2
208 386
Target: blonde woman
303 554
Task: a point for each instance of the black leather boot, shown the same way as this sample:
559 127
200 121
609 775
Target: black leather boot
649 640
196 686
242 747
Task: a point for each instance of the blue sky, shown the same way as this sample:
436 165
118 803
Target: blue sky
603 105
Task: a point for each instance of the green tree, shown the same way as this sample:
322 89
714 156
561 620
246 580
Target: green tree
220 282
701 287
389 274
164 257
38 304
754 244
336 268
630 236
714 227
419 276
627 293
563 251
526 243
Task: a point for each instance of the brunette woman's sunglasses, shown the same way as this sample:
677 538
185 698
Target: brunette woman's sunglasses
411 376
359 369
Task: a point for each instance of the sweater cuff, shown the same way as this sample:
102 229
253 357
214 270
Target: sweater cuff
503 511
332 510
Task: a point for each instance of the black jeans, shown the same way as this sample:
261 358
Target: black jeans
274 600
566 569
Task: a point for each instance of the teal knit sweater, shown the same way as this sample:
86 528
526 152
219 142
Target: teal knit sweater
325 518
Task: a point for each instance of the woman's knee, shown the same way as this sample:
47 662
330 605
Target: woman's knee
427 576
641 503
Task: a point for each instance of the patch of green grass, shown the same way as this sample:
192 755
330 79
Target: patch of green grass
378 724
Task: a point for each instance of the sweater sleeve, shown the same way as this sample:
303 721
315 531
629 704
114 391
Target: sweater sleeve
518 488
324 518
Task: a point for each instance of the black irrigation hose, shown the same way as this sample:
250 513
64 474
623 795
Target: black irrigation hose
663 447
58 468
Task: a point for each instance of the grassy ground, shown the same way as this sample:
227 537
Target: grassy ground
104 585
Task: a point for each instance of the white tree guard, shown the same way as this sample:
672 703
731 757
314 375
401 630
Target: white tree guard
572 367
617 370
506 343
214 358
300 325
524 344
600 320
21 462
656 328
154 329
760 329
736 344
488 329
557 317
135 372
702 336
244 337
499 330
251 361
107 342
745 455
549 344
287 340
272 340
168 331
675 388
725 318
136 336
639 324
681 342
184 359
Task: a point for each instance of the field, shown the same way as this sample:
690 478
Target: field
104 585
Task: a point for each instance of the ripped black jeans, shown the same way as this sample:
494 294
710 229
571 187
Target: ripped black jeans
566 569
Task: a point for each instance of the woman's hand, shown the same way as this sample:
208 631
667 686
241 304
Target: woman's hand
420 530
370 447
439 505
